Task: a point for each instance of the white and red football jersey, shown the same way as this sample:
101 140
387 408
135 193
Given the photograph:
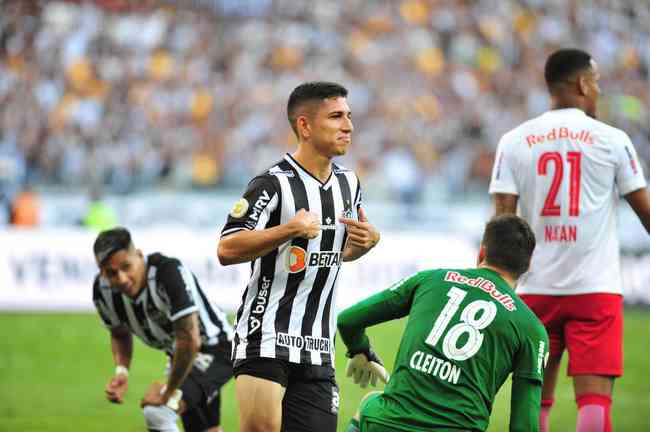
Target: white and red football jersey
568 170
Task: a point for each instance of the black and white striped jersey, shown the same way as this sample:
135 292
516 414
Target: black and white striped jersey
171 292
288 307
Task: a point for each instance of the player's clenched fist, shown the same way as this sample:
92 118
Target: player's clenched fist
306 224
361 233
116 388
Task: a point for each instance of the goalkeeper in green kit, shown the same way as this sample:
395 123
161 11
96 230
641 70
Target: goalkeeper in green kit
467 331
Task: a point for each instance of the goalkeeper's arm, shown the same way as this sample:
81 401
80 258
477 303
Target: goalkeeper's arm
364 365
526 398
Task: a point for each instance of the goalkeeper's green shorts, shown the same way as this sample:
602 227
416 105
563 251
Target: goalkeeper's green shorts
370 415
369 407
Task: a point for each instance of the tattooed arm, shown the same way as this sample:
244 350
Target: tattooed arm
188 342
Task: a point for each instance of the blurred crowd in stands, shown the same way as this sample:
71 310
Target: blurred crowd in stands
193 93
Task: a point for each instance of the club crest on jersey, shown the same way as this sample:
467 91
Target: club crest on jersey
347 212
240 208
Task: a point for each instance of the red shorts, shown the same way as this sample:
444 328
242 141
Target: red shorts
590 326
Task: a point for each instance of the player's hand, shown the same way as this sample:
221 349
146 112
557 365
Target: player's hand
116 388
306 223
366 367
154 395
361 233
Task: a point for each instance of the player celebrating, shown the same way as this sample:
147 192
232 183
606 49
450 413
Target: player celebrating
296 223
160 301
467 331
565 170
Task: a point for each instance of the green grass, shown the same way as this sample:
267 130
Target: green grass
53 369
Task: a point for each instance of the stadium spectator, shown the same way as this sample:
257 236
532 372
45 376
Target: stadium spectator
100 216
565 170
297 223
184 96
467 331
5 209
160 301
25 209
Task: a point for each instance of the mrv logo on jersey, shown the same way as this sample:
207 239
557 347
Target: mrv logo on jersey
262 201
308 343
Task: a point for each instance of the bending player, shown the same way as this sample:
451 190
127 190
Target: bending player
160 301
467 331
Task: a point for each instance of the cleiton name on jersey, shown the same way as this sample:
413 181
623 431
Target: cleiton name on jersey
487 286
434 366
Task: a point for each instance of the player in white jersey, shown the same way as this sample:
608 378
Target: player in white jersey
296 225
564 171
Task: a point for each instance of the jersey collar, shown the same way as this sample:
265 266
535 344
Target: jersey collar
294 163
575 111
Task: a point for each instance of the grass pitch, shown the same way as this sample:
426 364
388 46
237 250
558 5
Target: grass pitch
53 369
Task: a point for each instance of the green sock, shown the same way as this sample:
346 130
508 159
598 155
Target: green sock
353 426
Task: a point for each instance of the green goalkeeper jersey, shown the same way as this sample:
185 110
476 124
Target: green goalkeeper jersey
467 331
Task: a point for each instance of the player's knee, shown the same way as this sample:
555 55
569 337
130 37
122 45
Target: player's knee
357 414
160 418
260 424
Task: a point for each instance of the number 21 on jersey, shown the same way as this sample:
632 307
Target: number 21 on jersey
574 158
485 310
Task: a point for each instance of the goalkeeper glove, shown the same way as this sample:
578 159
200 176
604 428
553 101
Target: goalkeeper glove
366 367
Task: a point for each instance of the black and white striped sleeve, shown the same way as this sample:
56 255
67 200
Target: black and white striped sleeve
358 196
180 286
253 210
103 305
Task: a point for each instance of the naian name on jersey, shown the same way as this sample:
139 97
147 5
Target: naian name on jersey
434 366
560 233
485 285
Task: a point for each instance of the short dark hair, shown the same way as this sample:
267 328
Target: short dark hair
110 241
310 92
509 243
562 64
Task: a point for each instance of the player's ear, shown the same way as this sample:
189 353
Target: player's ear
303 126
583 85
481 255
139 253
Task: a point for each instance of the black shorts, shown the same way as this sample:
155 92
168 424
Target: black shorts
201 390
311 399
